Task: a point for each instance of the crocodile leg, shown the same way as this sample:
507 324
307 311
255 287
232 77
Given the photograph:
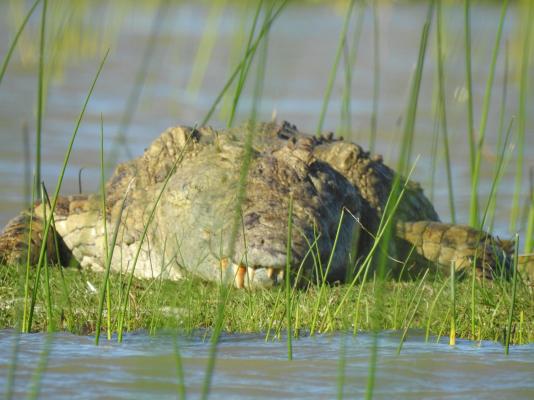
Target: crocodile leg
441 244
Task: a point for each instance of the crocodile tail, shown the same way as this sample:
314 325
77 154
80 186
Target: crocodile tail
441 244
16 242
22 238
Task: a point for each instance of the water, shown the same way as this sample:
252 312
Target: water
248 367
299 60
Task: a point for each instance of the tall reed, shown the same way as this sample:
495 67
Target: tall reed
376 76
522 115
132 102
469 88
27 275
474 202
529 235
411 111
501 134
325 273
341 366
40 102
452 334
513 295
350 56
125 302
40 368
243 73
396 190
10 378
418 293
250 53
260 70
48 222
48 297
179 370
288 278
205 47
431 310
15 40
109 248
333 70
443 110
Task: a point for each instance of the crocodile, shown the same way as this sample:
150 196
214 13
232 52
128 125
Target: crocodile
243 206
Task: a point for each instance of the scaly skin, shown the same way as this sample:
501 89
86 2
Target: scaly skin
191 232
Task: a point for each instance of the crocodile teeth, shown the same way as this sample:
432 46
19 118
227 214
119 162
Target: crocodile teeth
250 276
223 263
280 277
273 274
240 276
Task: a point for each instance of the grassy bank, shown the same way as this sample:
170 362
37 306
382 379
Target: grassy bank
191 305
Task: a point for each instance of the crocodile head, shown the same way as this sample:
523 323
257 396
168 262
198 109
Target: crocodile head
239 233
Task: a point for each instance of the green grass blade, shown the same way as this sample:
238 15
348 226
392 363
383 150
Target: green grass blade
288 278
386 220
345 127
245 68
104 221
325 273
409 127
49 318
179 370
502 116
27 297
205 47
40 102
512 302
333 70
499 171
431 310
529 235
418 290
521 124
108 257
42 253
260 72
341 366
376 76
137 88
452 335
15 40
37 375
474 202
443 111
250 53
124 304
469 86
